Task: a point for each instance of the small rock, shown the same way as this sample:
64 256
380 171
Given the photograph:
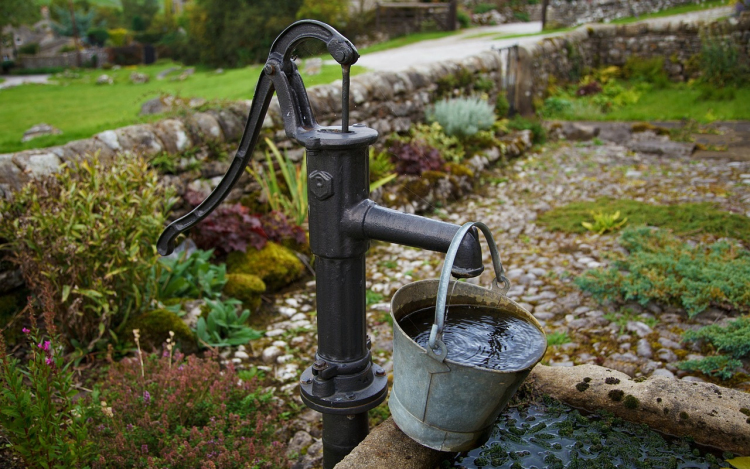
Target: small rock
666 355
693 379
138 78
298 444
241 355
270 354
663 372
669 343
643 349
275 332
639 328
105 80
40 130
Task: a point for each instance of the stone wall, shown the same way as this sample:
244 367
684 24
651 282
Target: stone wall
563 13
386 101
65 59
563 58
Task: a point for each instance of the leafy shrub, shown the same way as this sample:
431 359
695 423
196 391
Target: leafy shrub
463 18
502 106
719 366
182 413
555 106
720 62
228 228
381 165
481 8
539 134
647 70
462 117
223 327
279 228
660 267
521 16
292 199
449 147
88 233
694 218
29 49
709 92
190 276
37 411
415 158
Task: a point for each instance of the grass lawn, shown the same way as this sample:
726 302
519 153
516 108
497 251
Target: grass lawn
673 103
80 108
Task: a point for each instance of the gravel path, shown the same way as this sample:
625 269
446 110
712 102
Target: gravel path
539 263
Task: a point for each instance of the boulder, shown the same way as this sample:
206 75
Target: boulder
579 132
139 78
40 130
105 79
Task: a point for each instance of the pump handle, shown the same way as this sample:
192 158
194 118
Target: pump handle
279 74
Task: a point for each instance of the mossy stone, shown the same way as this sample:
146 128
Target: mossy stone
246 288
276 265
154 327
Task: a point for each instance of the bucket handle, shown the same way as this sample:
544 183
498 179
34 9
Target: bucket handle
435 342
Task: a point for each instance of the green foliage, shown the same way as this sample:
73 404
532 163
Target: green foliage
138 14
275 264
521 16
646 70
38 414
333 12
660 267
462 117
155 326
88 233
718 366
502 106
192 276
381 168
83 21
372 297
29 49
223 327
604 222
17 12
433 136
538 133
710 92
290 200
246 288
733 339
558 338
720 62
463 18
693 218
213 27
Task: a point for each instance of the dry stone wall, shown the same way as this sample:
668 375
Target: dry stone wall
563 58
386 101
563 13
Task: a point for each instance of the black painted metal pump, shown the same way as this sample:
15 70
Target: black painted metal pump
343 383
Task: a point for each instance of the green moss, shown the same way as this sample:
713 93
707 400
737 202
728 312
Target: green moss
631 402
415 188
459 170
684 416
582 386
692 218
276 265
645 126
246 288
616 395
154 327
745 411
612 380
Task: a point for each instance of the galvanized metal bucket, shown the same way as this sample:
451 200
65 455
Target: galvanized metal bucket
440 403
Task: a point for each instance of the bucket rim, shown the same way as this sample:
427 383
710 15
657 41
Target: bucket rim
523 312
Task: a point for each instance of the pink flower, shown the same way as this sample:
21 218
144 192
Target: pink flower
146 397
25 331
44 347
48 360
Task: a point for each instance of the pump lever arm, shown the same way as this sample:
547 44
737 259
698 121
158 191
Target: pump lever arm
279 74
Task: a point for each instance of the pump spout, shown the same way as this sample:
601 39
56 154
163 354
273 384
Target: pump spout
372 221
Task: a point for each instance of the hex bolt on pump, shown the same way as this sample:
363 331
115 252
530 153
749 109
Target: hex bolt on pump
343 383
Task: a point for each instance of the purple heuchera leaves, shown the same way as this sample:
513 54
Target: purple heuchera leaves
415 158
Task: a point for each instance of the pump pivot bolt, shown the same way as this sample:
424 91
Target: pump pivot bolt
321 184
380 372
319 365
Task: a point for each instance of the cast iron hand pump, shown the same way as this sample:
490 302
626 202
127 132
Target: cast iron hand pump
343 383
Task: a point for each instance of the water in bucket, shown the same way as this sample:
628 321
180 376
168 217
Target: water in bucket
480 336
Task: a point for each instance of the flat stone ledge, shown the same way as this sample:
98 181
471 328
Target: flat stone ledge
388 447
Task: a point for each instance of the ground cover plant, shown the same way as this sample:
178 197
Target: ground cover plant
682 219
660 267
80 108
87 234
731 342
